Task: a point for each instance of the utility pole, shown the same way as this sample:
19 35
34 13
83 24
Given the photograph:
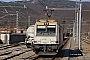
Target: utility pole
14 14
16 21
77 23
77 29
28 21
80 8
74 30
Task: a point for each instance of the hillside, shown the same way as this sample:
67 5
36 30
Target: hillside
35 11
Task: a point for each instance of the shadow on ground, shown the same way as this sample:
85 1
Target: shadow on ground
75 53
69 53
64 53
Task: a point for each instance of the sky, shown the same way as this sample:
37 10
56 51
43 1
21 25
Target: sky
21 0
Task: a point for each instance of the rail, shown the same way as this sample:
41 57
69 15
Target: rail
15 52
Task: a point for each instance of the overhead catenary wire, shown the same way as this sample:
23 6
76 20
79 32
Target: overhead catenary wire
4 8
42 3
14 10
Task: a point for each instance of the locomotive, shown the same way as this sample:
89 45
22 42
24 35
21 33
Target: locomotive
48 36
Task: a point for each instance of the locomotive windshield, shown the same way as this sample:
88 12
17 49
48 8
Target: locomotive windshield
46 30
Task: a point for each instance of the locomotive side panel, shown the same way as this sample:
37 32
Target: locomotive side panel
60 36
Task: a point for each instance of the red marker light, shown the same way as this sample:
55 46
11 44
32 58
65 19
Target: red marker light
35 41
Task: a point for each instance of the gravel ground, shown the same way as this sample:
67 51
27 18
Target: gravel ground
83 54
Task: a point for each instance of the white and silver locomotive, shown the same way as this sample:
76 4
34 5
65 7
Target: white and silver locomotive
48 36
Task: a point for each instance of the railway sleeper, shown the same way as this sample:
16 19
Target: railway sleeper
5 53
28 56
13 54
8 51
8 46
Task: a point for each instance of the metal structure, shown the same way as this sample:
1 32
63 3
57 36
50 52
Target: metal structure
77 28
78 33
61 8
80 24
13 6
17 21
28 21
14 14
7 15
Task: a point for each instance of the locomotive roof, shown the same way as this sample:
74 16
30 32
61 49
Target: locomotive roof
46 22
43 20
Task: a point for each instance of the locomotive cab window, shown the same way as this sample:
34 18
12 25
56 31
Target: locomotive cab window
41 29
46 30
51 29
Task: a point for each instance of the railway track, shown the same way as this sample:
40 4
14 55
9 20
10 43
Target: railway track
15 52
21 52
86 40
86 49
58 56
